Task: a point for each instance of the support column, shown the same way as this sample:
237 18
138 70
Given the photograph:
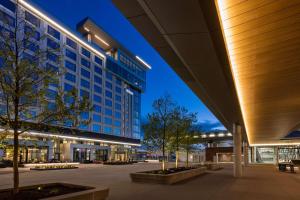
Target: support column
237 150
246 155
276 159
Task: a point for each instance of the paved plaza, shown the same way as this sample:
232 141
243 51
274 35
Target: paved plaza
259 182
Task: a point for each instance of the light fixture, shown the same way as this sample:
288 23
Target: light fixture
221 135
85 28
212 135
101 40
31 8
143 62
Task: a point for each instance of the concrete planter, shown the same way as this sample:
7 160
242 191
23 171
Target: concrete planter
213 167
90 193
167 179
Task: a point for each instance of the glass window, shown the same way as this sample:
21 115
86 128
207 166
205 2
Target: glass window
52 68
83 127
107 130
68 87
85 52
98 60
108 121
98 80
85 73
109 76
117 115
70 77
84 94
108 112
85 84
31 33
108 85
108 102
98 70
71 43
117 106
53 32
108 94
118 82
85 63
96 128
96 118
118 89
117 123
117 131
71 54
52 44
118 98
51 94
52 57
97 89
97 98
32 19
28 45
70 65
97 108
7 19
84 115
8 4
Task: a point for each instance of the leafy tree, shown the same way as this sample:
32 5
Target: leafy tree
189 141
157 131
25 78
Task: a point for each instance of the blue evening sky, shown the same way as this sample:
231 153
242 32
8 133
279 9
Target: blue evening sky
160 80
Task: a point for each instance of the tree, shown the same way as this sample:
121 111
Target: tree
190 139
157 131
182 121
25 79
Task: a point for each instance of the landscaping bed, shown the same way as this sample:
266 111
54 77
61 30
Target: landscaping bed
119 163
53 167
55 191
169 176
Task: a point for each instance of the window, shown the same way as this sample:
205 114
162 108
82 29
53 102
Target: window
117 123
68 87
71 55
32 19
98 70
107 130
96 128
52 44
117 131
85 73
109 76
85 115
71 43
117 106
51 68
108 85
108 94
97 89
117 115
118 98
70 65
51 94
118 89
108 121
84 94
70 77
98 60
85 52
108 102
85 63
108 112
8 4
97 98
96 118
85 84
53 32
28 45
98 80
118 82
52 57
97 108
31 33
7 19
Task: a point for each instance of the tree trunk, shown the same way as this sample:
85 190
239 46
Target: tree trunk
163 148
15 162
177 147
187 158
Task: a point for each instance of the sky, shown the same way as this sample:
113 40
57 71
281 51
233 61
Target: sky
161 79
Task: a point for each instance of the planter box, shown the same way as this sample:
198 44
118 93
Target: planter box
167 178
87 193
213 167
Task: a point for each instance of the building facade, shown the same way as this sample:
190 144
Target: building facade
101 69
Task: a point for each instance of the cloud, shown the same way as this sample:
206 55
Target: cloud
207 125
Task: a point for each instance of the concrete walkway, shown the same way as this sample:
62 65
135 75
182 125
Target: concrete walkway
259 183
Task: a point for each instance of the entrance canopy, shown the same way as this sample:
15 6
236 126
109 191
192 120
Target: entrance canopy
240 57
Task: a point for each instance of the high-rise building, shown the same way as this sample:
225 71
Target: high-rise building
101 69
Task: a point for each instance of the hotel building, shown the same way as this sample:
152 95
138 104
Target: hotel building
101 69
